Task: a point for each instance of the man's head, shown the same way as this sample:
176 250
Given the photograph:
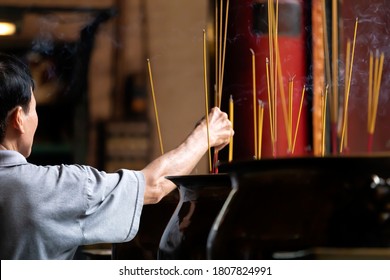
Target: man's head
18 118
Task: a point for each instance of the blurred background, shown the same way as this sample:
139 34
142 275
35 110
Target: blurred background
89 61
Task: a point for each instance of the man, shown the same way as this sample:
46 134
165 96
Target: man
46 212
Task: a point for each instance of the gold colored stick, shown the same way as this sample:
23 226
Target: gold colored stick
343 126
376 93
206 95
335 68
326 43
275 21
299 118
220 49
231 118
260 127
216 97
349 85
271 54
155 106
224 53
289 120
324 101
369 105
254 99
270 106
281 87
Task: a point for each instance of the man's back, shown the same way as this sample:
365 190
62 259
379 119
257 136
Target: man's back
48 211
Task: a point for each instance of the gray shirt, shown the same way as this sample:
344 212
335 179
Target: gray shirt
46 212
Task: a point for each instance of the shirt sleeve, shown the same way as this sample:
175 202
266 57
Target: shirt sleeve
114 204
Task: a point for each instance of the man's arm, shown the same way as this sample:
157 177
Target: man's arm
184 158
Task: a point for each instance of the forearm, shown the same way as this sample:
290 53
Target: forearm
180 161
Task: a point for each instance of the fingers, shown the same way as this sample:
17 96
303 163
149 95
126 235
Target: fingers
221 129
217 114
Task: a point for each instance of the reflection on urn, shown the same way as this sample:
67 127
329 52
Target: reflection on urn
201 199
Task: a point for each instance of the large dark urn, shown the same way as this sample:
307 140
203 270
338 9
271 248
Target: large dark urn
295 208
201 199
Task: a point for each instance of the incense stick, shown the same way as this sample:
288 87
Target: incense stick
349 86
376 92
298 120
376 83
290 113
275 22
370 77
346 135
271 61
345 105
216 89
281 87
220 51
326 43
206 95
223 53
260 127
270 105
254 100
155 106
276 70
231 118
324 101
335 76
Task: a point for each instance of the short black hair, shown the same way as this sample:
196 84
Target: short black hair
16 84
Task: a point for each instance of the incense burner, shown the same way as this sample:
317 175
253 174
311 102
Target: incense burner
292 208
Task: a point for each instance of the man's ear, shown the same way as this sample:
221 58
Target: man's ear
17 119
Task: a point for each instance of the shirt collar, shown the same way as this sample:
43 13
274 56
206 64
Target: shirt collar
11 158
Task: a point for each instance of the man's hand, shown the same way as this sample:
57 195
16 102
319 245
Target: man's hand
220 128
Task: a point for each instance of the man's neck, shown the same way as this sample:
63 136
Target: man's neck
5 146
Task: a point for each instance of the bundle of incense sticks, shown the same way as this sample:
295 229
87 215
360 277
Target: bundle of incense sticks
374 84
276 76
275 83
220 51
220 47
